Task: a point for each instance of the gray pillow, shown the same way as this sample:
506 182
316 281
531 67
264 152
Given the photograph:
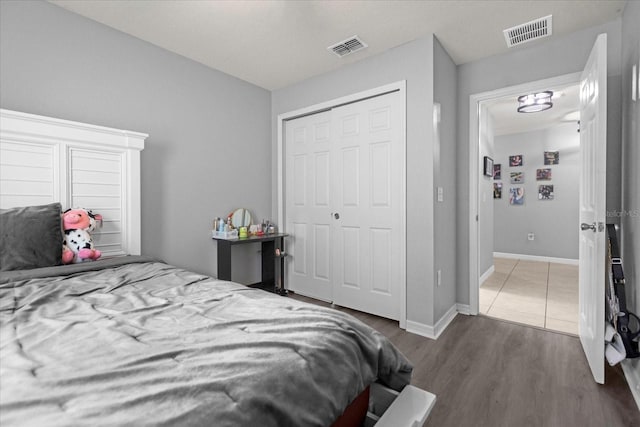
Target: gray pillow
31 237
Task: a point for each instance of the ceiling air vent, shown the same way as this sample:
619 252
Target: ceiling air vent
345 47
532 30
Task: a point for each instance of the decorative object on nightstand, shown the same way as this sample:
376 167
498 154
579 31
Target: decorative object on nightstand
241 217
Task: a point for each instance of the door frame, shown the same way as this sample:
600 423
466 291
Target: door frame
400 87
475 101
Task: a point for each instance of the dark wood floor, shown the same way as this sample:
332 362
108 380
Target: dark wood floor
486 372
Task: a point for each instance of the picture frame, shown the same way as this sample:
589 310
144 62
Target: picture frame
543 174
497 171
497 190
516 196
545 192
516 177
516 160
551 157
488 166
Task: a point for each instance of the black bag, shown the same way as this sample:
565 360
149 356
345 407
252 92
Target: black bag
626 324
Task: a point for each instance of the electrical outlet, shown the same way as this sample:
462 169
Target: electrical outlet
439 278
531 236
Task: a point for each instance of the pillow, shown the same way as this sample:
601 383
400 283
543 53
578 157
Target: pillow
31 237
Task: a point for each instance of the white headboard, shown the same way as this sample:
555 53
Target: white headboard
45 160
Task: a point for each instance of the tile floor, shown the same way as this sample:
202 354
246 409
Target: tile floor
535 293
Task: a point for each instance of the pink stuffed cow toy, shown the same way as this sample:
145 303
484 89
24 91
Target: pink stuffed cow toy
78 245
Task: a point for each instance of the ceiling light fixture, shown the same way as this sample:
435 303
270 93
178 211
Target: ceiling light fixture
534 102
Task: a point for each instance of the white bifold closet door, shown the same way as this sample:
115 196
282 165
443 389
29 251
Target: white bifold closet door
308 204
344 188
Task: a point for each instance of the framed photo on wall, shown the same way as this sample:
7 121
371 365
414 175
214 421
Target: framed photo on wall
545 192
551 157
516 196
497 190
543 174
497 172
488 166
516 160
516 177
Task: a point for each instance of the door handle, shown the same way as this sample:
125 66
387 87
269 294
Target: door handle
584 226
335 215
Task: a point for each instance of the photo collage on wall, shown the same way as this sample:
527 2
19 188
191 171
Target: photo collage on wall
516 194
517 178
545 191
497 186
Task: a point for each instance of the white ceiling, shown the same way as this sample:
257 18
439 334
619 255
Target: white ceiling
274 44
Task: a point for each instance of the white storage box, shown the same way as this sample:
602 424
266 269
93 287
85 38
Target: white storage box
233 234
388 408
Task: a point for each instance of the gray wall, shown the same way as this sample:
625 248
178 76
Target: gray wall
445 176
552 221
544 59
412 62
208 131
630 213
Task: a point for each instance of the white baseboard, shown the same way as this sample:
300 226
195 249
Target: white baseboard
433 332
464 309
444 321
631 369
421 329
536 258
486 274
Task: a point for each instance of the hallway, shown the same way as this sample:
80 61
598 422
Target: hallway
541 294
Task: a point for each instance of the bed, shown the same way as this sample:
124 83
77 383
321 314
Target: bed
133 341
129 340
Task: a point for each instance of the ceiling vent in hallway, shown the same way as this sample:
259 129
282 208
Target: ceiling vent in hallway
345 47
530 31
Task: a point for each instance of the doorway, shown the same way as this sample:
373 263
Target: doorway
593 146
482 202
528 241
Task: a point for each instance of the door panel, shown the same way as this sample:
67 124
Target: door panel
299 248
593 144
308 197
322 262
381 278
322 181
380 174
349 271
368 138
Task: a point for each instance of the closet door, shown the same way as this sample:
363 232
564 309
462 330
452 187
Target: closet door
308 152
367 205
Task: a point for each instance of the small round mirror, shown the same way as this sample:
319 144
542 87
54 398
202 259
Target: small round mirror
241 218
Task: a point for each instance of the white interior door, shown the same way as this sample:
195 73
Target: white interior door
308 197
367 205
344 186
593 144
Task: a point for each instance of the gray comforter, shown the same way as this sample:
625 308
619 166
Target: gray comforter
136 343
